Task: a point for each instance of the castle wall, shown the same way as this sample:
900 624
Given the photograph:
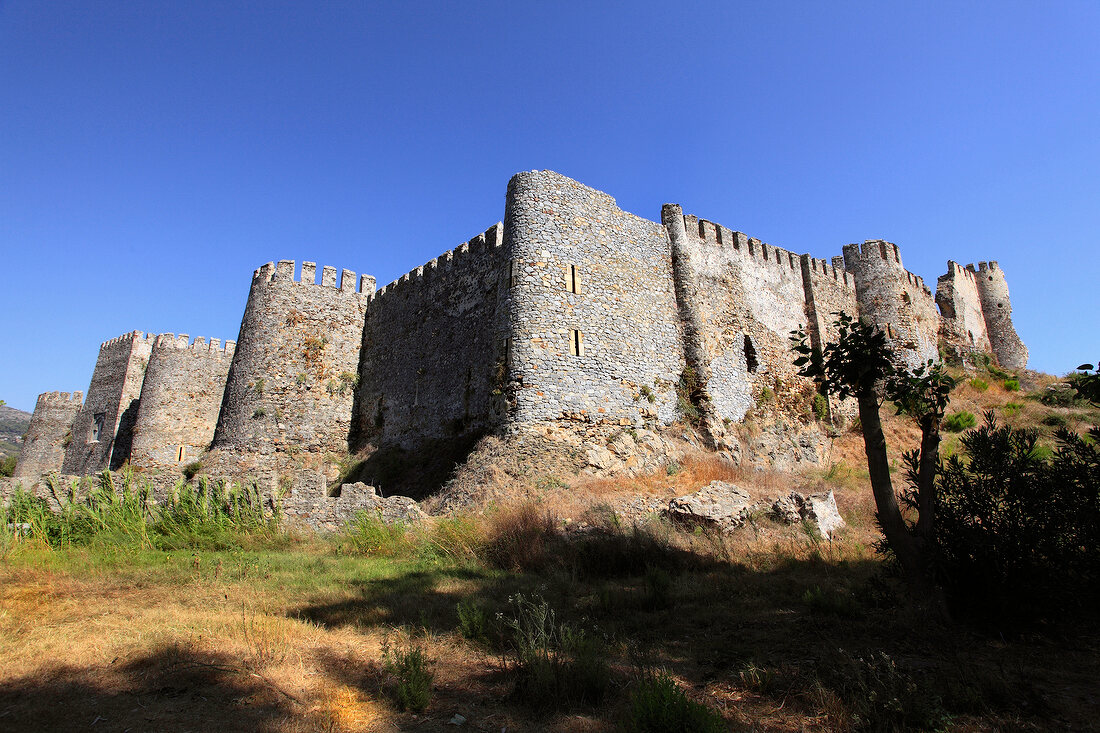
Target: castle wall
894 299
112 404
293 374
624 317
749 297
180 400
434 344
997 308
49 432
962 322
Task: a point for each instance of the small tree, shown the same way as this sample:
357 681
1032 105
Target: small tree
861 364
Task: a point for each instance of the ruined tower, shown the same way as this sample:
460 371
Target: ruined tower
103 430
294 371
962 320
997 308
180 400
894 299
49 432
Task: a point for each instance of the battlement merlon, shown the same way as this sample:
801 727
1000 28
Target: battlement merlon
60 398
283 272
199 346
491 238
126 340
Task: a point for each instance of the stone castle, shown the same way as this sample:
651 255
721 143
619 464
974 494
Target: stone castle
571 315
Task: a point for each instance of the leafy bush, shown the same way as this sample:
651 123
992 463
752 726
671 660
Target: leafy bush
7 465
1011 385
658 705
1016 534
1060 394
411 670
556 664
820 407
959 421
979 384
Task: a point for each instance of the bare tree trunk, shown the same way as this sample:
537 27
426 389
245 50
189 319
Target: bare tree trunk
926 477
903 544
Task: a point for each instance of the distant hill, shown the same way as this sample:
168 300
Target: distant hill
13 423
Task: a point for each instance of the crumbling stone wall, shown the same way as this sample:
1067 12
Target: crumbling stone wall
180 400
293 375
895 299
962 322
49 432
434 345
997 308
747 297
596 334
112 405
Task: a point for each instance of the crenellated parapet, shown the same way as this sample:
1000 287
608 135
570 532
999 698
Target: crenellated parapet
199 346
962 320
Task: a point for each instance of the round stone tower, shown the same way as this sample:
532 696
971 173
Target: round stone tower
993 292
293 376
894 299
48 434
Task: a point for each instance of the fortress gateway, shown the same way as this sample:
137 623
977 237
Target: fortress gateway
571 314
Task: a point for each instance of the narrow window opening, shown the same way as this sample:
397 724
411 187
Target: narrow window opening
576 343
572 279
97 425
752 363
905 297
513 273
180 454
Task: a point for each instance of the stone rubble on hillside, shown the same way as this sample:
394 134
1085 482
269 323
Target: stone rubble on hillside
728 507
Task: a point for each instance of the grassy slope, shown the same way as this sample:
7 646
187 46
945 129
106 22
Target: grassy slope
13 423
290 638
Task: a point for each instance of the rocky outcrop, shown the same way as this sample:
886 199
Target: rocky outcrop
817 509
726 506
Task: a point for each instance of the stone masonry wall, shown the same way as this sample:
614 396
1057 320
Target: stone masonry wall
180 400
997 308
749 296
566 237
434 345
290 387
50 430
962 323
894 299
113 396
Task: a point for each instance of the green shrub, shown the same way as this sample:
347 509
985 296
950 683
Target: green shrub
1061 394
472 620
979 384
1011 409
1054 420
1016 531
191 470
7 465
821 407
556 664
658 705
1011 385
880 695
959 421
411 670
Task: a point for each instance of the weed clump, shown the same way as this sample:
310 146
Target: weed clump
658 705
410 668
959 421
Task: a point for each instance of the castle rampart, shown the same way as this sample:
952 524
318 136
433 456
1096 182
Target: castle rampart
997 309
595 326
103 430
962 321
434 345
180 400
293 374
49 432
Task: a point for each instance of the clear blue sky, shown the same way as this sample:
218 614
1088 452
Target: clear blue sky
152 154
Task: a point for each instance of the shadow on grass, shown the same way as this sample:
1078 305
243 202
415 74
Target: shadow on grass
168 689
